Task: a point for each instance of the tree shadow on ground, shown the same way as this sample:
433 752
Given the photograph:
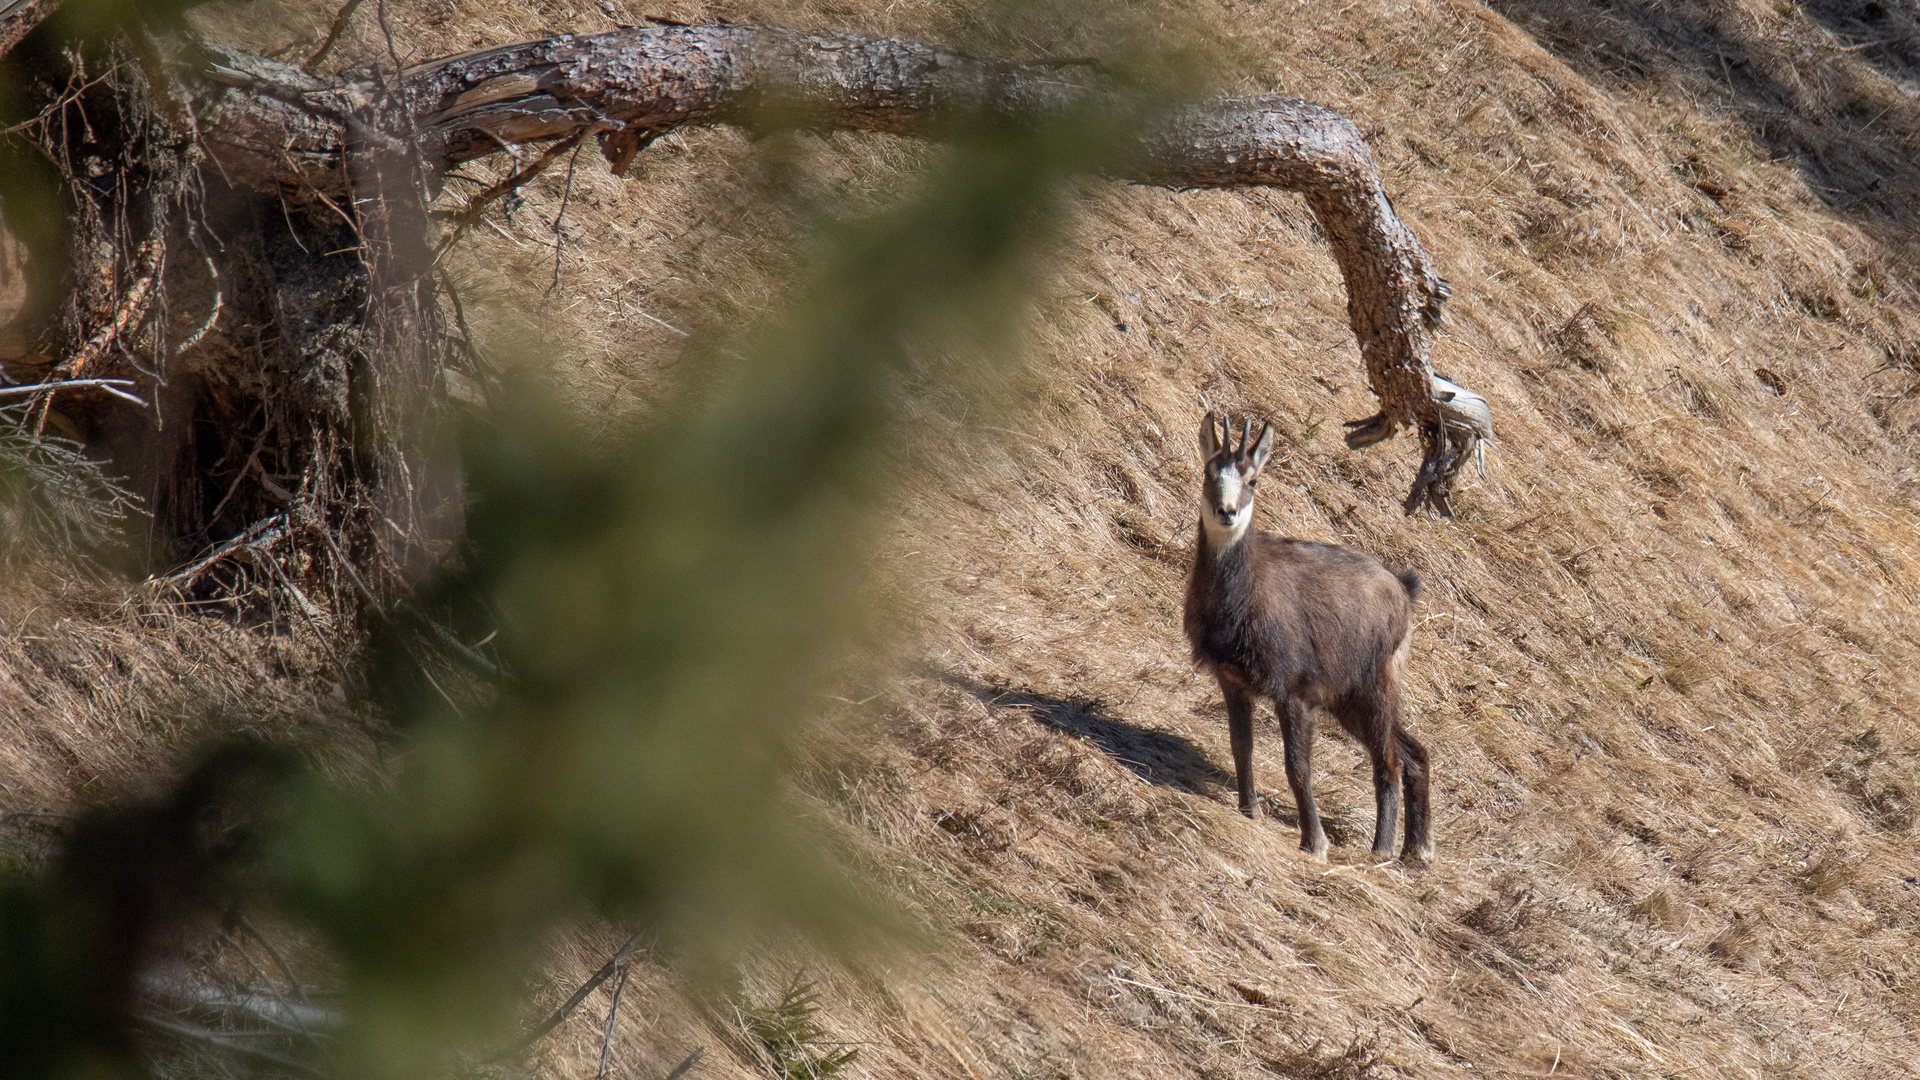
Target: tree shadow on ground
1852 137
1158 757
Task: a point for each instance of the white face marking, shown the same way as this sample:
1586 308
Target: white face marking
1222 513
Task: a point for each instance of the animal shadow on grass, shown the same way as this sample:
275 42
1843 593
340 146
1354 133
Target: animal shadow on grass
1158 757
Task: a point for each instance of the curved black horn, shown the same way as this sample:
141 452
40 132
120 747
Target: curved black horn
1246 437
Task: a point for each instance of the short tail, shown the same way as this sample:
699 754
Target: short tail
1410 581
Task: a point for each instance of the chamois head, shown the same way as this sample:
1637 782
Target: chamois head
1226 501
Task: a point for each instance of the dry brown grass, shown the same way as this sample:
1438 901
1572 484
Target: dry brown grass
104 694
1666 662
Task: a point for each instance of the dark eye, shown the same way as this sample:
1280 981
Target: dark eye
1255 482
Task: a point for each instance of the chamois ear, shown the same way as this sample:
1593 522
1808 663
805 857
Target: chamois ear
1262 449
1209 436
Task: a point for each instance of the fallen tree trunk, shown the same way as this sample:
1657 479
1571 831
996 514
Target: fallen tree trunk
19 17
282 129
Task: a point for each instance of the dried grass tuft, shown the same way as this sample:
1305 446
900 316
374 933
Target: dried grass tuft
1359 1059
1659 908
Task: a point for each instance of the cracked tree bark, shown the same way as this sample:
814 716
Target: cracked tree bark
282 129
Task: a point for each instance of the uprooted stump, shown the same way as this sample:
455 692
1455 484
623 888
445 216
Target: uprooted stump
308 343
284 129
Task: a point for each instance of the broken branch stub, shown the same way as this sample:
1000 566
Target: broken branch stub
283 129
1394 295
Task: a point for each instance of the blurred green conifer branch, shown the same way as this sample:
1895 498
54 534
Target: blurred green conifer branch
664 607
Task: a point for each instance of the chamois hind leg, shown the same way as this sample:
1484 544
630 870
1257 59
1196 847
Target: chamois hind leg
1415 770
1240 734
1296 728
1371 723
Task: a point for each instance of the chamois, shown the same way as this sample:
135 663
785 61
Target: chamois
1306 625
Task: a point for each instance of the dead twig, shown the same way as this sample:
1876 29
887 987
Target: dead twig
338 27
131 309
467 343
263 533
132 306
246 467
313 615
566 1009
613 1019
270 485
470 216
453 644
111 386
68 97
566 196
307 608
408 612
1194 997
176 992
214 1038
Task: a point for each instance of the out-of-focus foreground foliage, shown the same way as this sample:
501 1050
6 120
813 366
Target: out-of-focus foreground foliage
666 603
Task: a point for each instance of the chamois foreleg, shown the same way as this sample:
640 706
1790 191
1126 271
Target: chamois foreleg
1296 728
1240 733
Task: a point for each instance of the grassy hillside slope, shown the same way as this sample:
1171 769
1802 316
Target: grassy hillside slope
1666 662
